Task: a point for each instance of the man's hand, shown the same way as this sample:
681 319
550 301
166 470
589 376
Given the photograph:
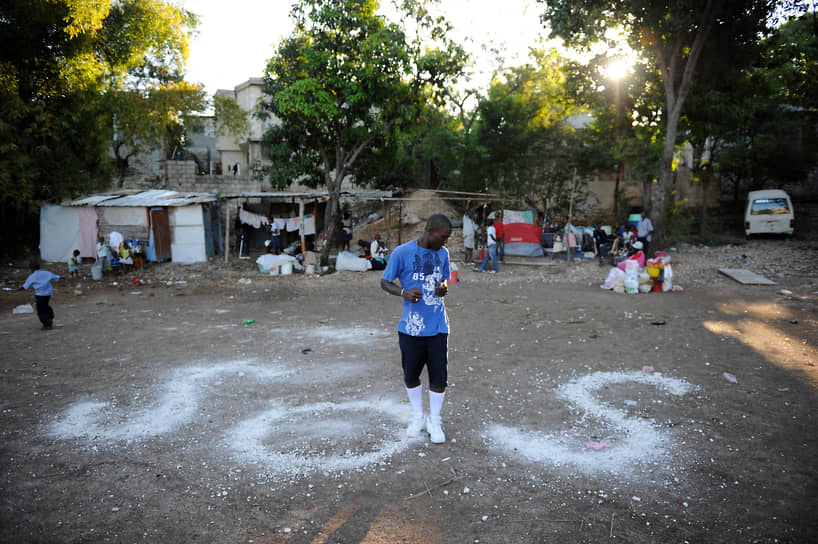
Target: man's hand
412 295
442 289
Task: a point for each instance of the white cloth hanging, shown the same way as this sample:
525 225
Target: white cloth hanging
253 219
309 225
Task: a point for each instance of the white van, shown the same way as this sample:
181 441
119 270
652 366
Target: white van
768 211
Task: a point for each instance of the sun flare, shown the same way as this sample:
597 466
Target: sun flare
618 69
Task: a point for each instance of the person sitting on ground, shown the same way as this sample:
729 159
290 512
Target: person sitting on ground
74 264
364 249
377 248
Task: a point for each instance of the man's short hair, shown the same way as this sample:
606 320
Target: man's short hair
34 263
438 221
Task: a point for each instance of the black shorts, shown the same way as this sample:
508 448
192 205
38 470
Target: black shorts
419 351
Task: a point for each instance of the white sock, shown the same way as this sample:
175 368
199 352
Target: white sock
416 398
435 403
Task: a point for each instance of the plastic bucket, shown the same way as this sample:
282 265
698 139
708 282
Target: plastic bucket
309 270
453 276
96 271
286 268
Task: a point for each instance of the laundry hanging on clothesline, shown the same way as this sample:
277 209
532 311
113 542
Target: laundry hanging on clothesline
292 224
309 225
253 219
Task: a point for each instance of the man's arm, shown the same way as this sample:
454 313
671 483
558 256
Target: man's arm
412 295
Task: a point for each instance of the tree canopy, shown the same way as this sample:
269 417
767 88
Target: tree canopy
348 80
674 36
78 81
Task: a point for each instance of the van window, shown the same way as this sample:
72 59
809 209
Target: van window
770 206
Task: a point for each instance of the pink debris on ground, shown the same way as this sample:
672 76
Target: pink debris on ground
647 369
730 378
783 389
596 446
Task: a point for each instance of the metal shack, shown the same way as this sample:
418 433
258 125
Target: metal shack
170 225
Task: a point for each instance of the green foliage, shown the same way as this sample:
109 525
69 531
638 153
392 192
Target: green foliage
144 118
756 125
790 67
674 37
679 222
78 78
349 83
231 119
520 143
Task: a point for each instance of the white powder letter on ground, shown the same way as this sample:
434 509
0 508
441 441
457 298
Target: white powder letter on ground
176 405
641 441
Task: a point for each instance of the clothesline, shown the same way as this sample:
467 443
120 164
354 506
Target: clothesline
290 224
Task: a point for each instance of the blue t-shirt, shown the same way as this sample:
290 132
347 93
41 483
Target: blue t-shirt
423 268
41 281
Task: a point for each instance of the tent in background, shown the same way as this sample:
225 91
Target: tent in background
523 237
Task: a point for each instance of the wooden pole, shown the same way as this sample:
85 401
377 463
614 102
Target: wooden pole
227 232
386 216
301 224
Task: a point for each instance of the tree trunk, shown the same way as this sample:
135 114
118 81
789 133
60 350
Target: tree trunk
332 216
675 99
121 164
664 187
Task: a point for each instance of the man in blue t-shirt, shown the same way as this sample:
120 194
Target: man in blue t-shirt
422 268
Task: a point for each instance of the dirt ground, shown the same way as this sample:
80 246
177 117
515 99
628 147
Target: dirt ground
152 413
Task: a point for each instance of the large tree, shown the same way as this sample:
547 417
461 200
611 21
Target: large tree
528 148
76 79
739 120
347 80
674 36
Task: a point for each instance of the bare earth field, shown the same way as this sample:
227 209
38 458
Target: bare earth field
152 414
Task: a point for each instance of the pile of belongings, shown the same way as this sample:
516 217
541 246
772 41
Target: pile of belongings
635 275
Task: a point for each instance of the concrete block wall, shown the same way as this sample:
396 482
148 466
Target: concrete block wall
181 176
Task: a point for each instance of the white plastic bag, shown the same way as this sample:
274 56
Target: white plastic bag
350 261
23 309
615 277
270 263
667 283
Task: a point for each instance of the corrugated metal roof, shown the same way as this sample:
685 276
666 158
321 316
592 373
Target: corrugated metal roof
281 194
92 200
310 194
154 197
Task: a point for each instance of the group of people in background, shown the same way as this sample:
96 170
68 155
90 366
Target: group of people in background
495 240
626 240
566 242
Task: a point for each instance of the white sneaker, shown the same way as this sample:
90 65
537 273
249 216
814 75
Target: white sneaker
416 426
435 430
